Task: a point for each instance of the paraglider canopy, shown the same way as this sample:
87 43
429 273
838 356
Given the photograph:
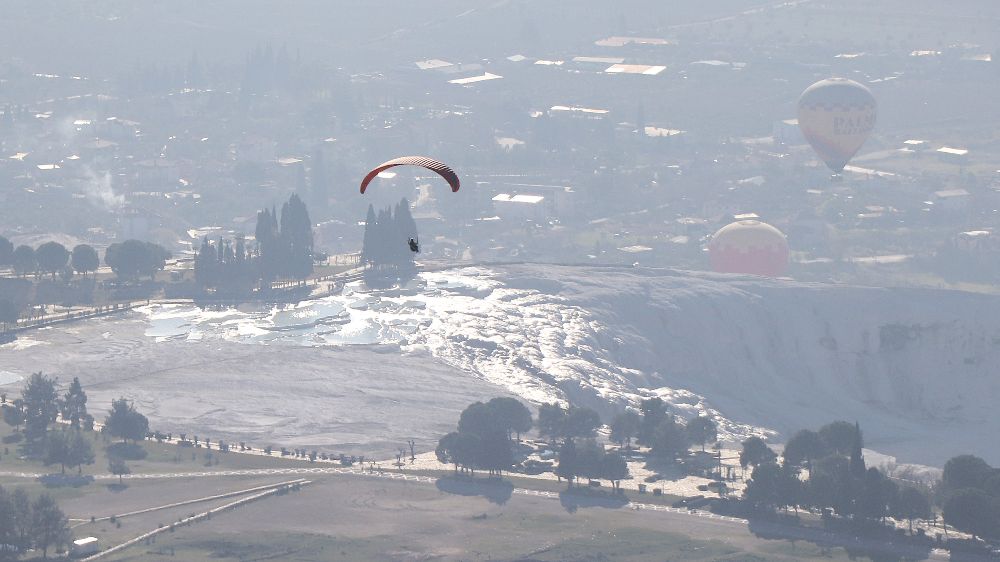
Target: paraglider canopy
436 166
749 246
837 116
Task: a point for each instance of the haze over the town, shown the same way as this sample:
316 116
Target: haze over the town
720 277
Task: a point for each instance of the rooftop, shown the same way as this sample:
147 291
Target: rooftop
528 199
635 69
473 79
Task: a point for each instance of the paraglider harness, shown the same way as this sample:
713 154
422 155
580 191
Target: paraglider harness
414 246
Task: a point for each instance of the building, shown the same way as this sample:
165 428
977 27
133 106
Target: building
953 155
519 207
84 547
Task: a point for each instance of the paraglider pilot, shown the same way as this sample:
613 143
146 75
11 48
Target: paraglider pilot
414 246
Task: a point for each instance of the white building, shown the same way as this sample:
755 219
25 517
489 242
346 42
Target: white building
519 207
84 547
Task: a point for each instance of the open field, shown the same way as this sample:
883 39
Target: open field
360 519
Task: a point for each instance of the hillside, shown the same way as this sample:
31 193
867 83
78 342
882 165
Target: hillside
364 371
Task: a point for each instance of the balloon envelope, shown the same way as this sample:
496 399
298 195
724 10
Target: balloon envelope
749 246
837 116
436 166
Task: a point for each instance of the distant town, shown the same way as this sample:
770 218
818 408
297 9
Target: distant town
605 152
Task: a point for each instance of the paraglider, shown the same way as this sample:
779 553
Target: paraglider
837 116
749 246
414 246
436 166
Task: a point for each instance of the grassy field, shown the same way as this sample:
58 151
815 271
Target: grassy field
338 518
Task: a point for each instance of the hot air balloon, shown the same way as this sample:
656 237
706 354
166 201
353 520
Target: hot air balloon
440 168
836 116
749 246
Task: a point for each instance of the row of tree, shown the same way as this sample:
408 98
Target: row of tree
129 260
826 470
283 250
50 258
26 524
385 250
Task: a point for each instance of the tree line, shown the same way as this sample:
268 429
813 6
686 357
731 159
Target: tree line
50 258
385 250
283 250
129 260
826 470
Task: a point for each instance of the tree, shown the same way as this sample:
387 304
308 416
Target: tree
624 427
78 451
40 407
763 487
614 468
494 453
297 237
84 259
477 418
830 485
49 526
841 436
971 511
805 446
702 430
581 422
124 422
910 504
13 414
56 449
669 440
965 471
568 465
118 467
368 242
74 404
654 411
22 518
756 452
132 259
447 449
52 257
551 421
8 532
511 414
878 493
24 260
8 313
6 251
